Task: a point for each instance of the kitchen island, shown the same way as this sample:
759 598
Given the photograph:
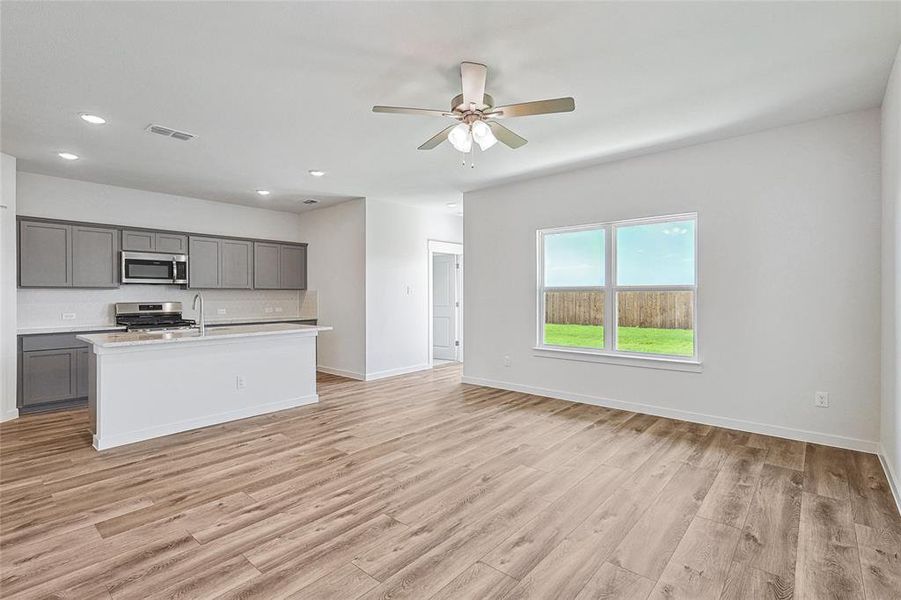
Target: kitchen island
147 385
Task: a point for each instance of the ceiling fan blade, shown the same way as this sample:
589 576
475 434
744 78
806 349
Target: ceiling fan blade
402 110
473 75
436 139
506 136
539 107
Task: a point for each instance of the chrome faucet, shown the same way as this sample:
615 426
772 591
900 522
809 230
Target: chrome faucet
194 307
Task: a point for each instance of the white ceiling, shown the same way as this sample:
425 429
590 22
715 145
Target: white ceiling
276 89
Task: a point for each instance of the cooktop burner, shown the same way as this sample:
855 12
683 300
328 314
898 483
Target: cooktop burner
159 316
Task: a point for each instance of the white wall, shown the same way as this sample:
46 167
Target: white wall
789 277
58 198
337 271
397 258
8 288
891 273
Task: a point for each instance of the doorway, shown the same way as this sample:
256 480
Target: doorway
445 303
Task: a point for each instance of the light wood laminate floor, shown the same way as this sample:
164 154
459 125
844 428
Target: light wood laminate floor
421 487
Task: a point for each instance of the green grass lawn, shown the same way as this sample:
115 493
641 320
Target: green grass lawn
678 342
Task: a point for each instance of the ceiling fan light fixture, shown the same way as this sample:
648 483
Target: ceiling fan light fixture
461 138
483 135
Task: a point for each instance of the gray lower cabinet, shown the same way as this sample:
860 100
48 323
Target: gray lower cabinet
82 362
48 376
95 251
137 240
279 266
203 262
58 255
45 254
235 264
54 371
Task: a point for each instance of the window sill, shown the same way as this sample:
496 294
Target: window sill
649 362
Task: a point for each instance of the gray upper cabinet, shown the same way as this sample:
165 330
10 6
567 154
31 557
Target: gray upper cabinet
279 266
265 266
203 265
67 254
94 254
154 241
138 241
60 255
235 264
292 267
45 258
172 242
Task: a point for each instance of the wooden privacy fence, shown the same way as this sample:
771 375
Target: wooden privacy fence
662 310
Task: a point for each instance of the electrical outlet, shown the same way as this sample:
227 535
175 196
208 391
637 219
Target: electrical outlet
507 361
267 310
240 382
221 311
278 309
821 399
67 316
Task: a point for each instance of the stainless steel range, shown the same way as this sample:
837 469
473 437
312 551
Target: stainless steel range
152 316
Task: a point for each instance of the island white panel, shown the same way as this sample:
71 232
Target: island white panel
146 391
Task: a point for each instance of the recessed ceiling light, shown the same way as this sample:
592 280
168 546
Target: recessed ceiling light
68 155
92 119
263 192
451 204
316 173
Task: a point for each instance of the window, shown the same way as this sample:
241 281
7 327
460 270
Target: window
626 288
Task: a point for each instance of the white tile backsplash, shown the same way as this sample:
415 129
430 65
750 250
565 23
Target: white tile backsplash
46 307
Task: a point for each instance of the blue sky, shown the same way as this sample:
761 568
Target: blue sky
651 254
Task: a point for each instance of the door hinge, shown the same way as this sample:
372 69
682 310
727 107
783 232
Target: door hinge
457 304
457 265
456 342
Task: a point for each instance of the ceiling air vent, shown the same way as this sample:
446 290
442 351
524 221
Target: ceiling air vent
169 132
311 201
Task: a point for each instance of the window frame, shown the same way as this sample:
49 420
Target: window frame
611 299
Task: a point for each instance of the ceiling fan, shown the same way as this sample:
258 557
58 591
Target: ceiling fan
476 113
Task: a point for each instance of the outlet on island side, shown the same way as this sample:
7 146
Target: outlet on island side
821 399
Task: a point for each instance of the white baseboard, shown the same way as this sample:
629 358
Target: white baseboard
9 415
893 480
802 435
120 439
400 371
341 373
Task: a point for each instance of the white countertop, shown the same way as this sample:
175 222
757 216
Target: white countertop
67 329
123 339
280 319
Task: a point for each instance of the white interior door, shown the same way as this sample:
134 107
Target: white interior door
444 306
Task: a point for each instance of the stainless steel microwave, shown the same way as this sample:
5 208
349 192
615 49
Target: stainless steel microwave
154 267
